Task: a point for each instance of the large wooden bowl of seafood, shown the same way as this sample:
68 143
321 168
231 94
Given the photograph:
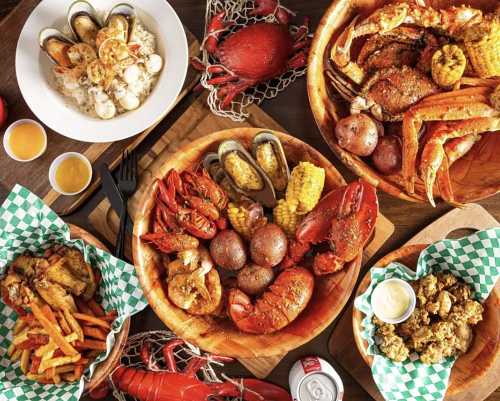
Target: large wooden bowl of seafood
407 94
443 301
249 242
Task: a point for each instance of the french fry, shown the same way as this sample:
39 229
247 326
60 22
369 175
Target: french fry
50 373
11 349
82 361
20 337
25 360
52 346
94 332
49 314
73 324
30 320
83 307
90 344
52 331
96 308
34 341
19 326
92 320
16 355
65 369
63 323
38 378
92 354
57 379
59 361
78 371
68 377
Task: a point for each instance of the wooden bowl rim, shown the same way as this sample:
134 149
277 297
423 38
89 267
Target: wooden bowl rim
320 103
203 343
104 369
358 316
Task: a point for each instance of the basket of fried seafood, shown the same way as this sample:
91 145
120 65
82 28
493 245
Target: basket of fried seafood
448 341
249 242
66 304
407 94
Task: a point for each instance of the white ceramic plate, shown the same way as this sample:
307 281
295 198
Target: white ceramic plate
33 70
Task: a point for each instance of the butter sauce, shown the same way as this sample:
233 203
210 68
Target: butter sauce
26 140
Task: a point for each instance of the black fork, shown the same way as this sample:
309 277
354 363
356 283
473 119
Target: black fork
127 184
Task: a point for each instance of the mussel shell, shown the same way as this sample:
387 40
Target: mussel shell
83 21
265 137
212 164
266 196
123 10
51 36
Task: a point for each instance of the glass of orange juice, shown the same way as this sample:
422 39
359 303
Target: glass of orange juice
25 140
70 173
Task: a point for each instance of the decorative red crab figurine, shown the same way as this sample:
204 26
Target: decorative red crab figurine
254 53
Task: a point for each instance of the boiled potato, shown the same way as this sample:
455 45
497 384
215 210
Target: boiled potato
268 245
228 250
387 155
254 279
357 134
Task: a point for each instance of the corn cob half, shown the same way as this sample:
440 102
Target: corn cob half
305 187
482 42
285 217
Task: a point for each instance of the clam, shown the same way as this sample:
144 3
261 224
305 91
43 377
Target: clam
244 174
56 45
270 156
83 21
122 18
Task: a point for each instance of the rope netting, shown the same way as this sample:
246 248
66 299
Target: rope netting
183 354
238 15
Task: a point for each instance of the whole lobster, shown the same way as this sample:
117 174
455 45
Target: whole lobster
173 385
345 217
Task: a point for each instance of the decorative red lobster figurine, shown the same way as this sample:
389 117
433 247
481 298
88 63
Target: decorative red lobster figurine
254 53
172 385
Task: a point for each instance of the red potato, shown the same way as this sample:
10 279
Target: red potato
228 250
268 245
357 134
254 279
387 155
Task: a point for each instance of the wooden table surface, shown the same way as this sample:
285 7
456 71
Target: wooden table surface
291 110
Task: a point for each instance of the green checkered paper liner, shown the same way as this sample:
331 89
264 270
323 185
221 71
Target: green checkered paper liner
27 224
476 260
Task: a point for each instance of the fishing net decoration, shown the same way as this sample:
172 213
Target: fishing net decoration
238 14
183 354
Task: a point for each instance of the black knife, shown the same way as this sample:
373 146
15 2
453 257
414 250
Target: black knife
113 194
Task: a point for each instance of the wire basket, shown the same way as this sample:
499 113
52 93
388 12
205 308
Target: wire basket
238 14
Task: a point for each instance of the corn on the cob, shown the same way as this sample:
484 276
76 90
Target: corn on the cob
242 221
495 98
305 187
269 162
448 65
482 42
243 173
285 217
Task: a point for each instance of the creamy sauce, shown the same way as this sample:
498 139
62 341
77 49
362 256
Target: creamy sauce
72 174
26 141
390 300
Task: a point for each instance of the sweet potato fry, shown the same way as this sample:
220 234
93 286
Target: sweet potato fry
52 331
65 369
63 323
59 361
52 347
83 307
90 344
35 363
49 314
78 371
25 361
33 341
92 320
96 308
82 361
30 319
73 324
94 332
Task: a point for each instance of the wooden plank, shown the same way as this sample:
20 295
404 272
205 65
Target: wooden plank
473 217
34 175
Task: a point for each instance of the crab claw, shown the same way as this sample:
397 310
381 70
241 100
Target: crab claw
268 7
215 28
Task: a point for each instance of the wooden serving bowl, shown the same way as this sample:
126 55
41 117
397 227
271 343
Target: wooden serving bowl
105 368
222 337
483 355
474 177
